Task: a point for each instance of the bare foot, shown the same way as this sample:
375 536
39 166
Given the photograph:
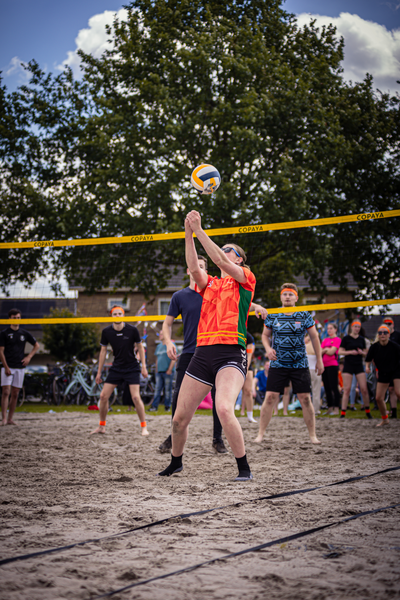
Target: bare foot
4 422
314 439
258 439
144 431
285 414
99 429
11 422
383 423
335 411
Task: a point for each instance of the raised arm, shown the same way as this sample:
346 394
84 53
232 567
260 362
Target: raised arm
198 274
214 252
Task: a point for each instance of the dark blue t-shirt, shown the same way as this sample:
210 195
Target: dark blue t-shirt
288 339
187 303
262 381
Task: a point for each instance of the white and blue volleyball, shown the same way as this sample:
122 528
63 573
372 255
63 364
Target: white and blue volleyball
205 179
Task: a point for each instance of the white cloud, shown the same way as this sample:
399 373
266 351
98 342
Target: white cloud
92 40
369 48
15 68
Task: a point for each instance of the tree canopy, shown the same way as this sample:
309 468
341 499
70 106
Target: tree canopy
230 82
66 341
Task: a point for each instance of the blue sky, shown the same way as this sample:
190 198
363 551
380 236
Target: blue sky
51 30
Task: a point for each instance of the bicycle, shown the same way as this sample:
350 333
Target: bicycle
83 385
60 382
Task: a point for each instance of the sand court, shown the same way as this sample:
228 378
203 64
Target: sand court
60 487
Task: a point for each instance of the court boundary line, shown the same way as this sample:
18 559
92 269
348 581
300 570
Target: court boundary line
186 515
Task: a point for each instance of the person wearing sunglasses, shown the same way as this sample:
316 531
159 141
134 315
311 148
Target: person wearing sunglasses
220 357
394 337
386 356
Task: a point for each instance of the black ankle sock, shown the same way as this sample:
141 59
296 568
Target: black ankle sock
368 413
394 413
174 467
243 465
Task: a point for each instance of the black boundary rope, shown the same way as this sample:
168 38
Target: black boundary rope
5 561
283 540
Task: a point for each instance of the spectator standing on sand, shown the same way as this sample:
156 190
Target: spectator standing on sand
354 349
122 338
386 356
165 368
14 361
288 358
330 357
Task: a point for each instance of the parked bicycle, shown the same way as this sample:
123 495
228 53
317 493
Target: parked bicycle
83 386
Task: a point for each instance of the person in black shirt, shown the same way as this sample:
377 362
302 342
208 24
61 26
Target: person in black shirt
354 348
386 356
122 338
394 337
14 361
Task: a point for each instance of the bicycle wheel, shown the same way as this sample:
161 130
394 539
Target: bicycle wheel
71 393
113 398
21 397
58 391
147 393
81 397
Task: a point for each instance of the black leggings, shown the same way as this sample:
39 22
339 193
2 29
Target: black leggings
183 364
330 379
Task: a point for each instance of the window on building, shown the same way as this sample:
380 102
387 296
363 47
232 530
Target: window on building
163 306
124 303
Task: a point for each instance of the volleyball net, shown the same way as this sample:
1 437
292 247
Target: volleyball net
86 277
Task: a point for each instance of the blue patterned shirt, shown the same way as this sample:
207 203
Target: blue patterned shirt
288 339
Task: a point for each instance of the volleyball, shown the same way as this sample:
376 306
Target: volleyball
205 179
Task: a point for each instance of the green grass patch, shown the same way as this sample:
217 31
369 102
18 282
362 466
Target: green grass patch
42 407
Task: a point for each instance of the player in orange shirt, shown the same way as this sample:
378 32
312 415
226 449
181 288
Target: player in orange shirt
220 357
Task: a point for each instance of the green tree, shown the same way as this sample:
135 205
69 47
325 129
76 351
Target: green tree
66 341
239 85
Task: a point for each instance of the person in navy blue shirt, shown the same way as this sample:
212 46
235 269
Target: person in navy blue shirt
288 359
259 387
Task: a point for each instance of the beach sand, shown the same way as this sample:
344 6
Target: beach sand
60 486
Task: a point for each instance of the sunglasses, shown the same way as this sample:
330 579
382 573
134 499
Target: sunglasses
383 333
227 250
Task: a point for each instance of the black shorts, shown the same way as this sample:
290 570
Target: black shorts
388 377
207 361
353 369
279 378
115 377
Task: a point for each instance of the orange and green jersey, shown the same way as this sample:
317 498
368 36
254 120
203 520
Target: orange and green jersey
224 312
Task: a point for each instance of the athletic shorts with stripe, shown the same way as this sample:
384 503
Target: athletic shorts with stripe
207 361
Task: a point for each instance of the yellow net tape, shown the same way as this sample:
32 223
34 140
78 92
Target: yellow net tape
154 237
149 318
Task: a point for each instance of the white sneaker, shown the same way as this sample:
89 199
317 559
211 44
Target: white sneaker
238 407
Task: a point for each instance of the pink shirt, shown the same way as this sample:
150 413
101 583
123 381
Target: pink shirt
330 361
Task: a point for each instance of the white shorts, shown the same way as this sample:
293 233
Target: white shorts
16 379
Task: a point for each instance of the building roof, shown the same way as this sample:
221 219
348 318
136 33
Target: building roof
304 283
